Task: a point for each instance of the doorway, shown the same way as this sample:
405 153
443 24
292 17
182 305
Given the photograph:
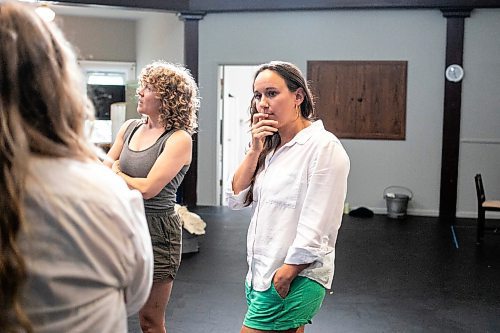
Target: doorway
235 87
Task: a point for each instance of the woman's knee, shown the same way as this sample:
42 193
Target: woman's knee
151 321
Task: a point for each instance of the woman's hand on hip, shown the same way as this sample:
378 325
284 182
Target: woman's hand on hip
284 277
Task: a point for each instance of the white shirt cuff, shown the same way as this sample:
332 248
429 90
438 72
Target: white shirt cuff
236 201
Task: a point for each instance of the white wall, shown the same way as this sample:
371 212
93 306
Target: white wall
99 38
160 36
480 131
113 34
342 35
417 36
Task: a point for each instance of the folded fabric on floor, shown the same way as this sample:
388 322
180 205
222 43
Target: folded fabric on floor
190 221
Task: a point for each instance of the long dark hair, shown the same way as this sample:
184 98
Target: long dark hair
294 80
42 113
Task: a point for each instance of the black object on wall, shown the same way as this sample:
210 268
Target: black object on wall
103 96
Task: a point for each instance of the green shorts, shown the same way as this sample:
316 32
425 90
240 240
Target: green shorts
267 311
165 229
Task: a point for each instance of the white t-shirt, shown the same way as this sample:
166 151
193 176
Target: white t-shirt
297 209
87 248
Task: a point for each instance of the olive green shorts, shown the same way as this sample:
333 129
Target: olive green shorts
267 311
165 228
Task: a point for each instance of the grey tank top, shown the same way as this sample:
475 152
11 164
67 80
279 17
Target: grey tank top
139 163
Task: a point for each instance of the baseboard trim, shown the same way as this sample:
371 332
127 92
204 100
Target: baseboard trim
435 213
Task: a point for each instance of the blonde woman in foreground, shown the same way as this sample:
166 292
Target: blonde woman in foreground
76 253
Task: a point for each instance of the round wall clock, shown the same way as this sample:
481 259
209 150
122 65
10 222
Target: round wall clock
454 73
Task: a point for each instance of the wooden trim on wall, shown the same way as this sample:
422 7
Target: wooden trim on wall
451 117
191 54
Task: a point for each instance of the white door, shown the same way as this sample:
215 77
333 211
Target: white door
236 92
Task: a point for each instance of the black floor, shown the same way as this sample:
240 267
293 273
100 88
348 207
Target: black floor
391 276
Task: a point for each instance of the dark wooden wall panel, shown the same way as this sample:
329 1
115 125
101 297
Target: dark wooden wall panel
361 99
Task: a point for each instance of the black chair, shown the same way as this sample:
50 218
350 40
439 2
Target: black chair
484 205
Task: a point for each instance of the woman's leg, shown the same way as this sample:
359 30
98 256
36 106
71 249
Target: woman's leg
152 314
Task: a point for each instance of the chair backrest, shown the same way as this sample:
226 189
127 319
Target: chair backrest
479 190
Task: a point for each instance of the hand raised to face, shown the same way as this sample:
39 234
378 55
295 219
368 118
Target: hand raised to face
261 128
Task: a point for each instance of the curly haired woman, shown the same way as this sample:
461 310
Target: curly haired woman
152 155
75 252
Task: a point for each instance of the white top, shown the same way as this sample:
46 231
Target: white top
297 209
87 248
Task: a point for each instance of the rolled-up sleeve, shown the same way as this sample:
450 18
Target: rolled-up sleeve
235 201
322 210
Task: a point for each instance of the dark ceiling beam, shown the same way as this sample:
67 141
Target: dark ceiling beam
277 5
163 5
213 6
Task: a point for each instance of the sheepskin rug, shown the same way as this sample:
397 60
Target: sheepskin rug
191 222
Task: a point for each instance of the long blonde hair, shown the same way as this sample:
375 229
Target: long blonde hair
43 107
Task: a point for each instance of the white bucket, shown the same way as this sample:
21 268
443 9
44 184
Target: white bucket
397 203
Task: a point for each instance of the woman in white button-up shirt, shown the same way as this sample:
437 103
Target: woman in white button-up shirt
76 254
294 176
